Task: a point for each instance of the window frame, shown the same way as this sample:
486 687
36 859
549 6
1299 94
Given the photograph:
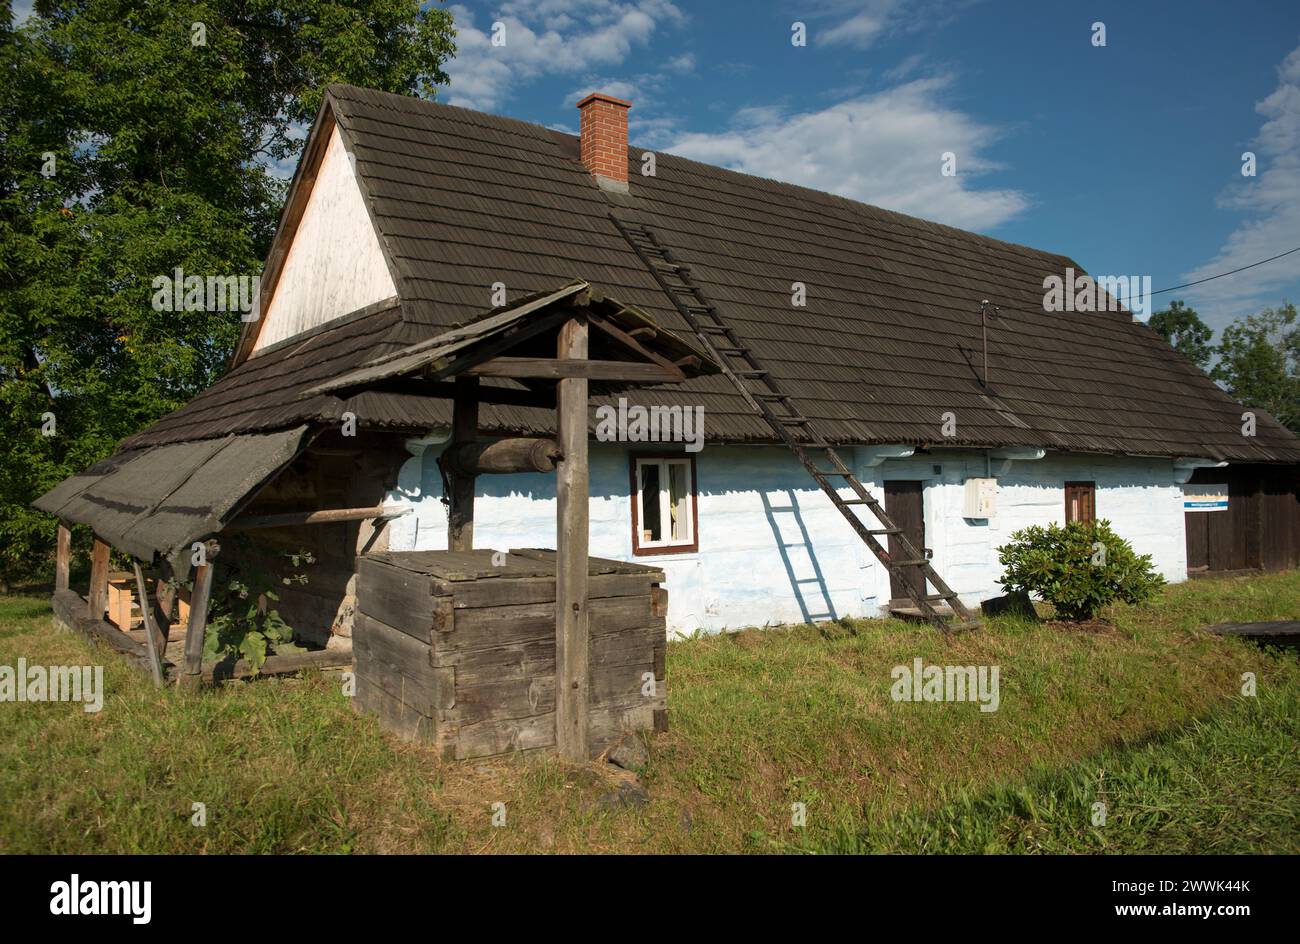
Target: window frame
1088 488
658 550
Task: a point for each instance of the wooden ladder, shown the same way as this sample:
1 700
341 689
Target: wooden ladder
762 392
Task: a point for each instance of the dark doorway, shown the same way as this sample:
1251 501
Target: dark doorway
905 506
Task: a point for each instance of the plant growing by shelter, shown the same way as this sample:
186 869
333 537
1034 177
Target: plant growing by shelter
244 623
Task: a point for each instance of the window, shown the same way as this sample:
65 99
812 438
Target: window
1080 501
664 519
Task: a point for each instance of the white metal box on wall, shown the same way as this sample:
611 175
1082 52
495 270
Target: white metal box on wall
981 499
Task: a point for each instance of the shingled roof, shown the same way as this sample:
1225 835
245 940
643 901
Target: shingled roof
888 342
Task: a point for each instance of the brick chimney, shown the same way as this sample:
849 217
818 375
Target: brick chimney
604 139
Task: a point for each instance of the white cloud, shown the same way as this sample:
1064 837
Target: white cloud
861 23
885 149
683 64
862 27
548 37
1271 203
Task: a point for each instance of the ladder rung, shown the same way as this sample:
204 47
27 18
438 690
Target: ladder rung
792 420
938 597
709 329
855 501
908 563
883 530
754 374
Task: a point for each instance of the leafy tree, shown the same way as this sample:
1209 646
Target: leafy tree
1259 363
137 136
1079 568
1186 333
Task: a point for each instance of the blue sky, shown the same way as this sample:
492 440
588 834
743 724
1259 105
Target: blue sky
1126 157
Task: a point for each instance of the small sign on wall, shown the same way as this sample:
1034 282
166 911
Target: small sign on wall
1205 498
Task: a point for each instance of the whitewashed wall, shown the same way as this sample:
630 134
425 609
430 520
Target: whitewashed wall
772 547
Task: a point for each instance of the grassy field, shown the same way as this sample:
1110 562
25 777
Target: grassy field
1148 718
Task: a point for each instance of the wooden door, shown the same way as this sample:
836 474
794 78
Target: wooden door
905 506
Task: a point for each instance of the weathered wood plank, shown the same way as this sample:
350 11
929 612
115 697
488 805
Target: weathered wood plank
279 665
479 593
572 629
487 738
379 642
595 565
153 644
501 700
402 599
505 625
520 660
326 516
394 715
1270 628
464 430
504 456
200 596
62 556
427 701
97 597
544 368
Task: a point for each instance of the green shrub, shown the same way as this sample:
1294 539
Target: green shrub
1078 568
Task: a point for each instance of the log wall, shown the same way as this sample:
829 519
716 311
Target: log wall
459 650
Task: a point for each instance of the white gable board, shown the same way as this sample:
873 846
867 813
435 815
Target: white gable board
334 265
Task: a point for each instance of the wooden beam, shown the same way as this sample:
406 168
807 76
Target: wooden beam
520 454
278 665
62 557
326 516
572 630
97 597
200 597
630 342
545 368
446 390
150 639
70 609
464 430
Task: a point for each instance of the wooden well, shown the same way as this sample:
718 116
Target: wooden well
458 648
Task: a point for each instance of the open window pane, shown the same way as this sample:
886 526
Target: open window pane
679 488
651 523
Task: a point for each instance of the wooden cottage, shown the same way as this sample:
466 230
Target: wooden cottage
847 432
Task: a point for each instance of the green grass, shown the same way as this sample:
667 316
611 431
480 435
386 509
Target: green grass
1223 785
1148 718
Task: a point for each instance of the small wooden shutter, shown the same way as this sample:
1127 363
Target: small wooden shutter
1080 501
